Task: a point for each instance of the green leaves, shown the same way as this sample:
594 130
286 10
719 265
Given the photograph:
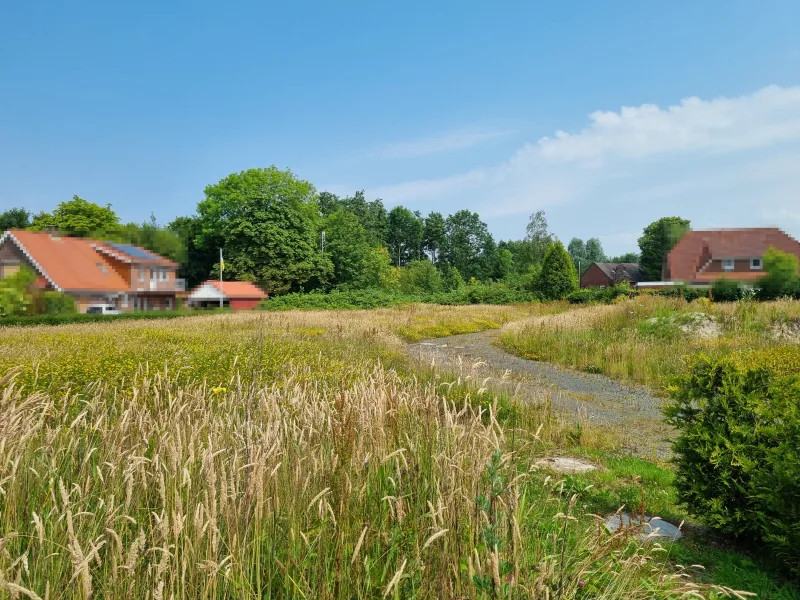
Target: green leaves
657 240
558 277
737 452
78 218
267 222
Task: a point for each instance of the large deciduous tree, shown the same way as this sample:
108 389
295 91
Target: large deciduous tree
78 217
657 240
469 247
433 236
347 245
14 218
558 277
200 260
267 222
404 235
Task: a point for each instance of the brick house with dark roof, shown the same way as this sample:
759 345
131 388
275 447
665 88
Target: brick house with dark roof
702 257
607 274
93 272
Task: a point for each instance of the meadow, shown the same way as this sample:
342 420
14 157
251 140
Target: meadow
646 339
304 455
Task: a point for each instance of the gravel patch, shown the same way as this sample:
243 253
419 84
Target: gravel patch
632 409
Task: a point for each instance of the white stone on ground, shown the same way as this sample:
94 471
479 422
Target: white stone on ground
562 464
654 528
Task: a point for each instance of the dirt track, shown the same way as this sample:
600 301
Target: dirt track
602 399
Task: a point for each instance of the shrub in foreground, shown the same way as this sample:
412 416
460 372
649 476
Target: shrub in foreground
738 450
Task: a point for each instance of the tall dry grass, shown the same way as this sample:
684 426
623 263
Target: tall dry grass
287 482
641 339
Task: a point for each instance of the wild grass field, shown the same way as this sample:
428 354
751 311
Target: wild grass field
645 339
303 455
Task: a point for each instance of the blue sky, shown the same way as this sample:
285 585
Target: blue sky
605 115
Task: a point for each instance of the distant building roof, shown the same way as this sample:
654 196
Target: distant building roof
632 269
237 289
683 262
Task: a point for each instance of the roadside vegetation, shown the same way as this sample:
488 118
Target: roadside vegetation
303 455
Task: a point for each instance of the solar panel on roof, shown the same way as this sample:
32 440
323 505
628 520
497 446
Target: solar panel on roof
133 251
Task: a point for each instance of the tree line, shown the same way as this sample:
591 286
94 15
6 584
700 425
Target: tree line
276 230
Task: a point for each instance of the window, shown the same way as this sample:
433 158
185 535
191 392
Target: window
755 264
102 268
727 264
141 273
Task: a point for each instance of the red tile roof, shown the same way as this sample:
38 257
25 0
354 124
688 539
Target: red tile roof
69 263
72 263
683 262
239 289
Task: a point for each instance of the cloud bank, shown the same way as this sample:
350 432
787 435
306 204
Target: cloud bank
726 161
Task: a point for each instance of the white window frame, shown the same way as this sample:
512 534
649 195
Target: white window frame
728 264
756 267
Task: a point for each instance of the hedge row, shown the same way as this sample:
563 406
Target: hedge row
738 449
66 319
496 293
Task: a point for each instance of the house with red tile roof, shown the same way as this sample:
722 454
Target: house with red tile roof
238 295
92 271
702 257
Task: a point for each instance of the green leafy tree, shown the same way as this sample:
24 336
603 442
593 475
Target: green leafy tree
781 277
505 263
14 218
267 222
558 277
594 251
78 218
577 251
404 235
469 247
452 281
200 260
657 240
378 270
537 237
372 215
15 293
433 236
152 236
420 276
347 245
628 257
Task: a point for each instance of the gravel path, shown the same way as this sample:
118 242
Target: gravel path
631 410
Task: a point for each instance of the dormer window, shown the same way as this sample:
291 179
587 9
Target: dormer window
727 264
755 264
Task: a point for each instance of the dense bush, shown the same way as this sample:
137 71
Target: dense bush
782 277
738 448
725 290
596 294
58 303
474 293
420 276
558 277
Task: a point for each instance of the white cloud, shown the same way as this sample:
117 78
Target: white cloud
726 159
769 116
456 140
